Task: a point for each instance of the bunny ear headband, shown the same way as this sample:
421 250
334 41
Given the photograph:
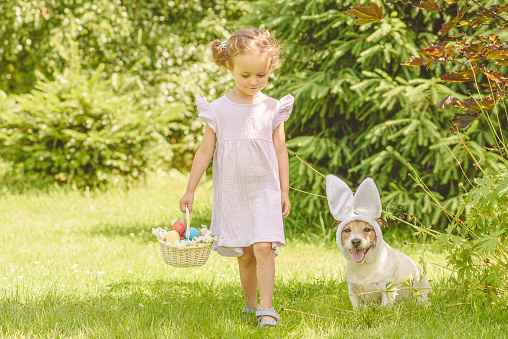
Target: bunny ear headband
365 205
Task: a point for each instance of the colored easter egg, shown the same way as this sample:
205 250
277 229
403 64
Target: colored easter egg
180 227
172 236
182 237
194 233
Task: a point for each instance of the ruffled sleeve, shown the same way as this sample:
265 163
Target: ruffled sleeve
283 111
205 112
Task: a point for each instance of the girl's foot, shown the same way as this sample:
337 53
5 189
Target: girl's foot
267 317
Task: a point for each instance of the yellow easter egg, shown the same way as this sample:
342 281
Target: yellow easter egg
172 236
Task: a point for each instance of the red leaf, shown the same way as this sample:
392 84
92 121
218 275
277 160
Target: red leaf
474 52
499 9
462 23
449 25
448 100
473 49
497 54
494 76
366 15
474 105
461 76
462 121
487 14
430 6
480 20
415 62
436 49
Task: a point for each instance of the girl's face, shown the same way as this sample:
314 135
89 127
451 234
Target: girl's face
250 72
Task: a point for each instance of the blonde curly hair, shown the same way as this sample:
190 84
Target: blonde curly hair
244 41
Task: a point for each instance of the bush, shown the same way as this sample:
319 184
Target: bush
153 52
84 131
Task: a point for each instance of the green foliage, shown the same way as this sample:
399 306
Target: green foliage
157 39
477 246
84 131
358 112
156 54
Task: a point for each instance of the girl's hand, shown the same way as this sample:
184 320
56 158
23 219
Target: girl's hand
187 200
286 205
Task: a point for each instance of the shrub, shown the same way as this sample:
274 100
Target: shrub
160 46
84 131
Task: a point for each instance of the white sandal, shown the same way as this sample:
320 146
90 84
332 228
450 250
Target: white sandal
261 312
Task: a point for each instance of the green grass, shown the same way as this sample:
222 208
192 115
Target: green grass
80 265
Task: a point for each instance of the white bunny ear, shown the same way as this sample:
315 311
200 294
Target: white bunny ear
340 197
367 200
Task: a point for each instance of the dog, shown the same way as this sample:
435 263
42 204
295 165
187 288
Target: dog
375 272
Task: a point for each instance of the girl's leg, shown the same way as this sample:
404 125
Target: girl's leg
265 257
248 276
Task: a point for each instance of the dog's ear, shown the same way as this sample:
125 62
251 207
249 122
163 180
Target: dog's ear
381 222
336 223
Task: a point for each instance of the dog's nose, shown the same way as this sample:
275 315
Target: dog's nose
356 242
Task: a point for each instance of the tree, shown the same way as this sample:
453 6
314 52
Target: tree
359 112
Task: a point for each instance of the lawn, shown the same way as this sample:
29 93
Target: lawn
85 265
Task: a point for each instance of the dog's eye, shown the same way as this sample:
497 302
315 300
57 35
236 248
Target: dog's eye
367 230
347 230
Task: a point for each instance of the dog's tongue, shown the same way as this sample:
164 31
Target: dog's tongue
357 255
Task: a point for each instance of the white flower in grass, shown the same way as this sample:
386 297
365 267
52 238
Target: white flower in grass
141 305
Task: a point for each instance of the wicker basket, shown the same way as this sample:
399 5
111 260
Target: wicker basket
190 256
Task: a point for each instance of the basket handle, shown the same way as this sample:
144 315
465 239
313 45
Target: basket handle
187 224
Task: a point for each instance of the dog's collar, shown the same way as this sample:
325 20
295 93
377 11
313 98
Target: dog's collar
379 235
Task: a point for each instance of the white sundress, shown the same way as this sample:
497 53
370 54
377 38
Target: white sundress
246 187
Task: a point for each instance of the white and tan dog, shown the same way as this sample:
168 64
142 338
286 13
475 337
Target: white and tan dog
375 272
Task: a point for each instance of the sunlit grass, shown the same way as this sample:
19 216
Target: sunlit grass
85 265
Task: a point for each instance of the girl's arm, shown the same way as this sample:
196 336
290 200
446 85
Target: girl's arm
279 142
199 165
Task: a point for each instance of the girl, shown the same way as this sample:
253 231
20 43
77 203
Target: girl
245 135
